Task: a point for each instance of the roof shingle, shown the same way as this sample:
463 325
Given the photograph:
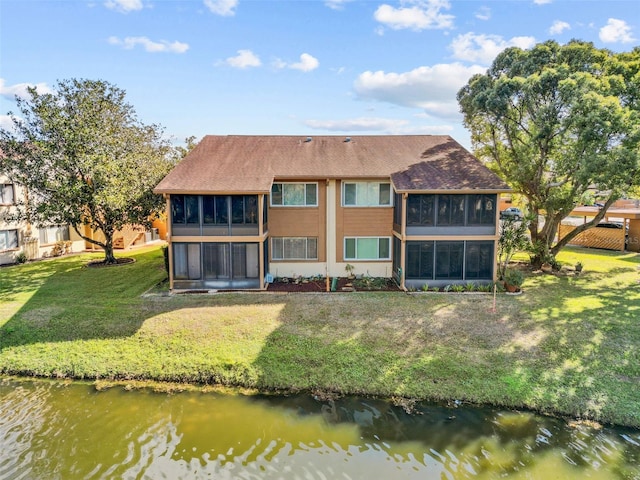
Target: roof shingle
249 164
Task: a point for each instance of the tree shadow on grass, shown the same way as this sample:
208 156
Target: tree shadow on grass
108 299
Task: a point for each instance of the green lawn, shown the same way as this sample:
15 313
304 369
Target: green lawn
568 345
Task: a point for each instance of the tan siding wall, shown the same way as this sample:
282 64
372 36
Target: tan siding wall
360 222
634 236
301 221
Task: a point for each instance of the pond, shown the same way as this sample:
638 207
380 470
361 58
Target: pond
57 430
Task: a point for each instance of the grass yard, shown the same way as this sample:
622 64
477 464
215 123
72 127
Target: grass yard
568 345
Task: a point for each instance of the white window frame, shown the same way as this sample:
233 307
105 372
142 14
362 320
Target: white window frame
356 259
304 184
285 258
51 231
367 184
7 187
5 242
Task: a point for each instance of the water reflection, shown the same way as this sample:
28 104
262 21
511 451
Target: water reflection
55 430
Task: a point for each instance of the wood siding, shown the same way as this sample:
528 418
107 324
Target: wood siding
301 221
608 238
360 222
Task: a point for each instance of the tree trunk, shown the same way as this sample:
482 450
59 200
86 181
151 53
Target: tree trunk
109 257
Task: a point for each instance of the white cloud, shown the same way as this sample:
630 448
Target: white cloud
224 8
616 31
244 59
306 64
484 48
129 43
336 4
124 6
558 27
483 13
20 89
356 124
542 2
415 15
433 88
6 123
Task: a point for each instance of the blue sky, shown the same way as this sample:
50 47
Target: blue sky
303 67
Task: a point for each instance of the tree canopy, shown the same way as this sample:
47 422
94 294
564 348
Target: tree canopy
555 121
85 159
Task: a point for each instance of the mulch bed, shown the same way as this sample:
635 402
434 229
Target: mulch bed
101 263
344 285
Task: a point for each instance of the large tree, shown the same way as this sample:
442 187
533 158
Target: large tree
555 121
85 159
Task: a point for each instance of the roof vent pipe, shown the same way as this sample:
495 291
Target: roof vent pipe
348 139
308 139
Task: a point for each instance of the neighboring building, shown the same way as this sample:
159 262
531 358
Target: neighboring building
242 209
16 237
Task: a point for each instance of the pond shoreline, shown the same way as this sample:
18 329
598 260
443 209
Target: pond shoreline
569 347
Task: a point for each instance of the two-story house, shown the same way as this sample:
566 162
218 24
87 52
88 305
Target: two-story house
243 209
16 237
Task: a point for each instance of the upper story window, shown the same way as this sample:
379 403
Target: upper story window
215 210
244 209
431 210
366 194
6 194
185 209
294 195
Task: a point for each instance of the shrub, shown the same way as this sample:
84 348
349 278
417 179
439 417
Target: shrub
513 276
21 257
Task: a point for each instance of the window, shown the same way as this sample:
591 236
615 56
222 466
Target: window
244 209
481 209
367 248
6 194
294 195
185 209
53 234
366 194
186 261
8 239
421 210
449 257
479 260
216 261
451 210
215 210
420 259
294 248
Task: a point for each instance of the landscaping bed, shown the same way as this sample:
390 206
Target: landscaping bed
343 284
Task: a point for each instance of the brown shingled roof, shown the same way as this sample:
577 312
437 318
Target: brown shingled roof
249 164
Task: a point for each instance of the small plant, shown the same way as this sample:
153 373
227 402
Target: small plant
425 287
21 258
447 288
513 278
458 288
579 267
471 287
486 287
349 268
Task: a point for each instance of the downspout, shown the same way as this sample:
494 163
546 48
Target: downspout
168 239
261 259
403 240
326 235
